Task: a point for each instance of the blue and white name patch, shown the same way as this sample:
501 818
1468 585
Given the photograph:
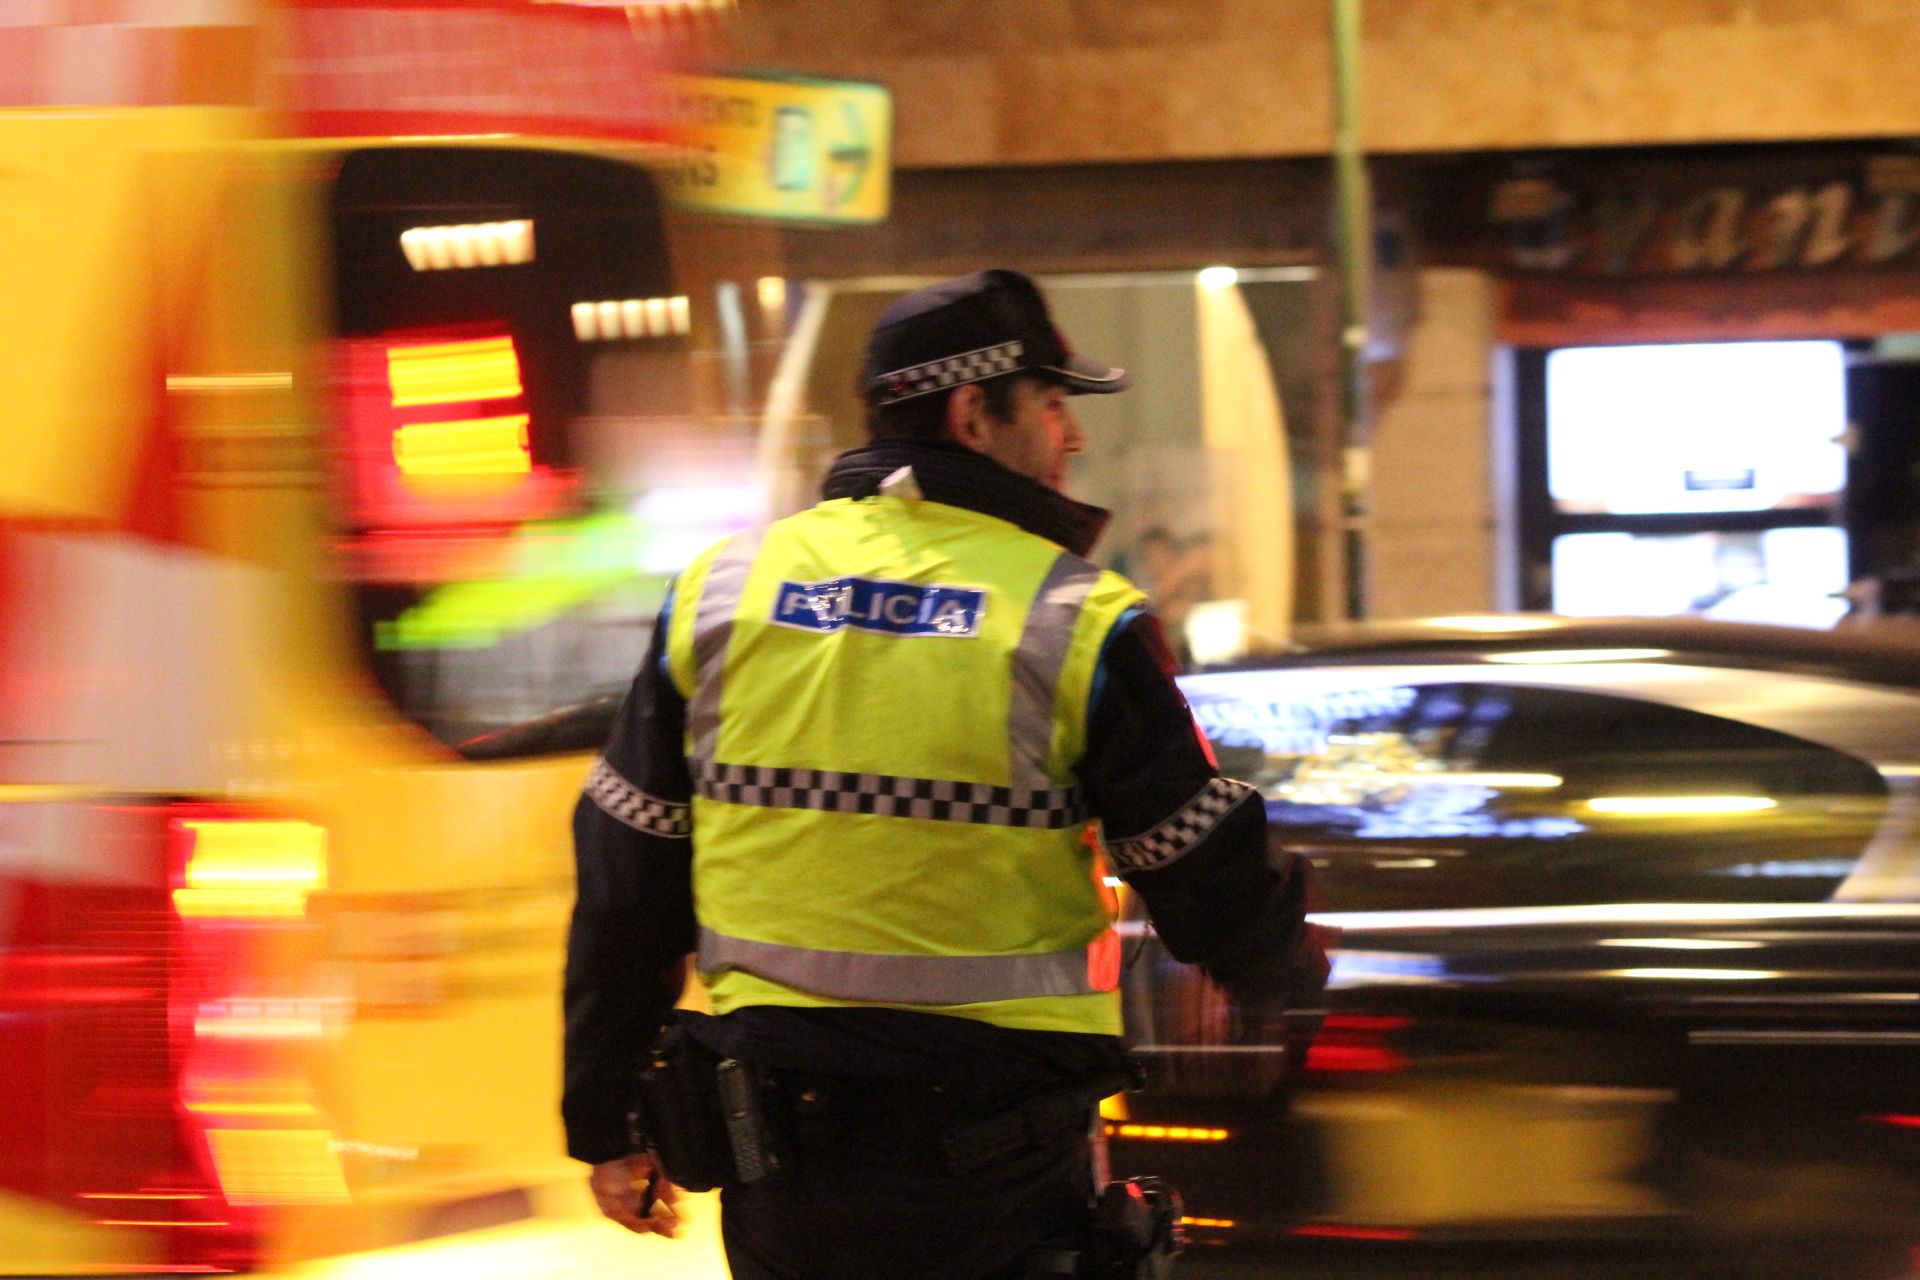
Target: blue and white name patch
873 604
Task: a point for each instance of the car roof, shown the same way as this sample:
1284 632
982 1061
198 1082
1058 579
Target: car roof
1883 652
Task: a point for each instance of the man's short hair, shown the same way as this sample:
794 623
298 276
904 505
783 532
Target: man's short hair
924 418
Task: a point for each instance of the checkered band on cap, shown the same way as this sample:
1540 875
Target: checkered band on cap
892 797
938 375
1173 839
620 799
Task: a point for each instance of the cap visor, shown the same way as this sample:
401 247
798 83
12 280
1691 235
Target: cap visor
1086 376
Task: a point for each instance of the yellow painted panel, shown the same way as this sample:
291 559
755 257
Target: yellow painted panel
79 360
43 1239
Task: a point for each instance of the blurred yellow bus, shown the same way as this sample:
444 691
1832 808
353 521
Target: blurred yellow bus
339 482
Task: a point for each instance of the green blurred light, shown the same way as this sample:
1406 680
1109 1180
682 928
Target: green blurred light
555 566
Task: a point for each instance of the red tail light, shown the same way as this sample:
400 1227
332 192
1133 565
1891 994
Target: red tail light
243 1000
1350 1042
436 434
156 1032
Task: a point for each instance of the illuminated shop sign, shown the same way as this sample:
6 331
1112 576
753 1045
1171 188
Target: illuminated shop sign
1667 217
791 149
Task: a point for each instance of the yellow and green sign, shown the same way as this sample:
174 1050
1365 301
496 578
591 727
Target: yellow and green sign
794 149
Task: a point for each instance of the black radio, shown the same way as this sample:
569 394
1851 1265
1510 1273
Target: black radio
701 1115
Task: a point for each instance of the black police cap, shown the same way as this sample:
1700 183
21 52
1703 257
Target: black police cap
981 326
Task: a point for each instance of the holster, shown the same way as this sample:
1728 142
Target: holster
680 1112
1136 1231
702 1115
1134 1234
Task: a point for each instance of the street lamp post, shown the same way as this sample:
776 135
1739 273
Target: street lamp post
1353 247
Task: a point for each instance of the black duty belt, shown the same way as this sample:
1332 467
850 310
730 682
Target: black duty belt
1035 1121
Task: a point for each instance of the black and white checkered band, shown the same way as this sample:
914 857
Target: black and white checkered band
1176 837
938 375
890 797
622 800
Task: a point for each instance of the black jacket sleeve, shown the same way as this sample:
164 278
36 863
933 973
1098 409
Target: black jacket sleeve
633 923
1191 843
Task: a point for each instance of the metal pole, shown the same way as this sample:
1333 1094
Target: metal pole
1353 246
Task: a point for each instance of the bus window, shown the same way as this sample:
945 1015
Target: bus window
517 464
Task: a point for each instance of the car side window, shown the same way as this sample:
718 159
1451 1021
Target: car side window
1473 794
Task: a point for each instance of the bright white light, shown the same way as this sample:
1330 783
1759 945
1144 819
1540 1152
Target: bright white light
631 318
571 1242
516 240
1218 278
237 1019
1448 777
1783 576
1679 806
1623 914
474 244
1550 656
707 506
1216 631
1682 944
1692 975
682 521
1490 622
1733 426
1806 569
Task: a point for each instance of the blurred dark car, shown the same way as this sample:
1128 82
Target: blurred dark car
1630 950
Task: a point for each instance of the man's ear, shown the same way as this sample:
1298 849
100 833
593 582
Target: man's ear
966 417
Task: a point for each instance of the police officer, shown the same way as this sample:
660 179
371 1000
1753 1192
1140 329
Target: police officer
855 777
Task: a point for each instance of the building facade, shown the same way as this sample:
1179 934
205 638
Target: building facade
1549 174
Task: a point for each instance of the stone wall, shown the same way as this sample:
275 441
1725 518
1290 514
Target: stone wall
1430 540
986 82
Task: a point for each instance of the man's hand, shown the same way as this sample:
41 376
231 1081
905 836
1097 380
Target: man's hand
634 1192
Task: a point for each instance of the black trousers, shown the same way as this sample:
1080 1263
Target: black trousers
868 1193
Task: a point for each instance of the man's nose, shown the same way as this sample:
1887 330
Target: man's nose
1076 437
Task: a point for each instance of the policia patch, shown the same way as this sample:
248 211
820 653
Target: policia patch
875 604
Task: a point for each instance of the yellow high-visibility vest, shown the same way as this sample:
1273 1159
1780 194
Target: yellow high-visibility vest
887 700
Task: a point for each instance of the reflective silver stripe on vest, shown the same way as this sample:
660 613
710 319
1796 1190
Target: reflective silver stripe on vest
1037 663
712 628
859 975
834 791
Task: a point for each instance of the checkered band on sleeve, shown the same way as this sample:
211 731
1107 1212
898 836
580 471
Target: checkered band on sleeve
938 375
892 797
1173 839
620 799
